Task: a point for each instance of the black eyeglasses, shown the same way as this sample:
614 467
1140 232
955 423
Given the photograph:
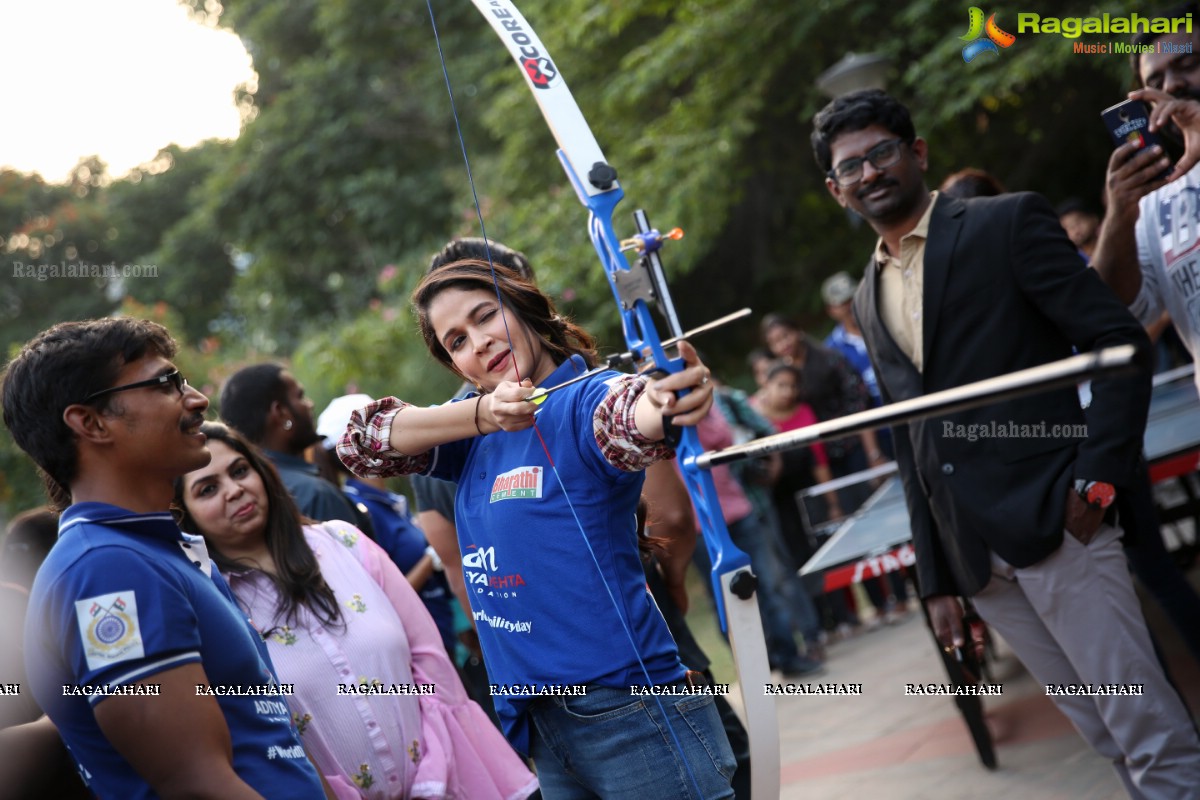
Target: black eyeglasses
173 378
881 156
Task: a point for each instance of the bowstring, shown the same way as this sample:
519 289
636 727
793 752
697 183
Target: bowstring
545 448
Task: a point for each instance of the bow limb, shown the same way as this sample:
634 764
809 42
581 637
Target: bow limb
596 185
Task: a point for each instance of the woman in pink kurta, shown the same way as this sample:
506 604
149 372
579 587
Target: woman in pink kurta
379 706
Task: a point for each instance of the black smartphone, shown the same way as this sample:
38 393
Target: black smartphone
1129 122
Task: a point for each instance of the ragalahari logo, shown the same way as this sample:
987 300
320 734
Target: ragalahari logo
976 45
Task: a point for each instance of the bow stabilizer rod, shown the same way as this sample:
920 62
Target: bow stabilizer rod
1051 375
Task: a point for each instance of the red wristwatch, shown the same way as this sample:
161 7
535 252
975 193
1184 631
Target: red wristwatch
1096 494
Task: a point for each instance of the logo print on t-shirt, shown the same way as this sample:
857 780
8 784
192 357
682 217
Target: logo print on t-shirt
522 483
481 572
109 627
1178 215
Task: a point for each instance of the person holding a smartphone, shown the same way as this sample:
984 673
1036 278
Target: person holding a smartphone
1149 247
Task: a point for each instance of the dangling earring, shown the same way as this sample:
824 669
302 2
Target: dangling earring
287 424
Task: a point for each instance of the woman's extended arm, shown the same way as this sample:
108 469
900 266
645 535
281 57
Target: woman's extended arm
391 437
411 431
417 430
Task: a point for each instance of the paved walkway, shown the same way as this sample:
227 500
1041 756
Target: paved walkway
888 745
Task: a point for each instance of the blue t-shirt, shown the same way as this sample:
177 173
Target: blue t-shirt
405 544
855 351
123 596
543 613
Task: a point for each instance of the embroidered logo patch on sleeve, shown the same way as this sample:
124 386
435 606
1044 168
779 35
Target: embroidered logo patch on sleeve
109 629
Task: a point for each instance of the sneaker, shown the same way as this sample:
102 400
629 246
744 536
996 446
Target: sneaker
896 613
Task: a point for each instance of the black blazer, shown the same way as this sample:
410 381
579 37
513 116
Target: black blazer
1004 290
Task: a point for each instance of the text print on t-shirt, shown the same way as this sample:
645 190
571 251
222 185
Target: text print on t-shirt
522 483
482 573
1178 223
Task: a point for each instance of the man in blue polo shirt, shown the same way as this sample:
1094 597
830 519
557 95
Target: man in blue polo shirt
158 684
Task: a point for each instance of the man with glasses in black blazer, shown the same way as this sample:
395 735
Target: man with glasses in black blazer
1020 520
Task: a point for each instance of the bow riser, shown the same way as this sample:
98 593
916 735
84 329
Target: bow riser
737 606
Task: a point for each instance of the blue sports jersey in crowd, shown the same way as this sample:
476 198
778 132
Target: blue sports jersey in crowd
405 544
124 596
543 613
855 351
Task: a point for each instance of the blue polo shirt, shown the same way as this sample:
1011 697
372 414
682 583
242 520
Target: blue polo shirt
124 596
543 612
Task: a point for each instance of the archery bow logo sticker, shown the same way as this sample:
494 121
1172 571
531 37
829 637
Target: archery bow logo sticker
524 46
540 70
976 44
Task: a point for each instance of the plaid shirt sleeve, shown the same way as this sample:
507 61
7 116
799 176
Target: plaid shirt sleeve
366 448
615 428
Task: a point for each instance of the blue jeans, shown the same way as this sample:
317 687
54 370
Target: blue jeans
610 744
781 577
783 602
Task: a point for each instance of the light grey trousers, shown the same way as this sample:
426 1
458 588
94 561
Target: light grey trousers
1073 618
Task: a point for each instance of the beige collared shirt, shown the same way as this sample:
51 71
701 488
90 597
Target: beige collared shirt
902 287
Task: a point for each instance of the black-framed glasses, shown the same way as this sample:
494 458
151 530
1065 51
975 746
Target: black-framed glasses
881 156
174 378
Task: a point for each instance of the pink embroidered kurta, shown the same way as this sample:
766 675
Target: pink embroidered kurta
390 743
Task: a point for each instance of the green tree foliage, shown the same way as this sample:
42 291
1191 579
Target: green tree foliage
342 167
378 352
47 226
163 216
349 159
149 218
705 108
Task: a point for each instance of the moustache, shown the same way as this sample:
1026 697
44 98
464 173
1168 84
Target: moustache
194 421
883 183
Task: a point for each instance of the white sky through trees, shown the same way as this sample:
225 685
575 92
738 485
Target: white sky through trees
115 78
